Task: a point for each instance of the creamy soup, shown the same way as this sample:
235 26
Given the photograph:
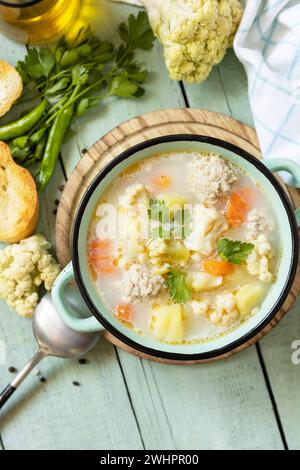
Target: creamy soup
182 247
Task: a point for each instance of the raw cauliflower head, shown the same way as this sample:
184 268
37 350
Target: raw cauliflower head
195 33
24 267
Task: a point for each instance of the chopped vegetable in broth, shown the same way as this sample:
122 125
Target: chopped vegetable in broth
182 247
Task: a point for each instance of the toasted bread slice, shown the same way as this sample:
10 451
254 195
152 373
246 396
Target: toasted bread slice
11 86
18 199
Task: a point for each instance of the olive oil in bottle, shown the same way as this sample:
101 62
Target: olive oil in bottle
43 21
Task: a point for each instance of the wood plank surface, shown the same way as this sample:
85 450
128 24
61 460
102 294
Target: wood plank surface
216 406
124 402
158 431
54 415
276 349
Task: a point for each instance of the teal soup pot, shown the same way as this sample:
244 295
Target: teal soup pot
262 172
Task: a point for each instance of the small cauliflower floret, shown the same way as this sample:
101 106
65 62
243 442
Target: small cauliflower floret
23 268
257 224
259 259
167 323
135 197
25 307
48 275
224 312
195 33
162 251
133 207
206 228
210 177
140 283
24 285
129 252
133 248
198 308
199 281
249 297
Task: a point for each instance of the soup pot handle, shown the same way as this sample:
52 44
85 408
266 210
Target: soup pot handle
284 164
85 325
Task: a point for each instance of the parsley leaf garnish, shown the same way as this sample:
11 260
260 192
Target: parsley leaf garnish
233 251
38 63
178 288
121 86
80 75
136 32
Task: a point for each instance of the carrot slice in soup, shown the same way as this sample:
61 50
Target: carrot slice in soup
238 205
102 264
217 267
163 181
124 312
100 244
99 258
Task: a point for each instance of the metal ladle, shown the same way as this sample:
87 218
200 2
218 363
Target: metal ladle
55 339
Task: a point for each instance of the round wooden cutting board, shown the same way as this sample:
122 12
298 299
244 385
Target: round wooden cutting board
148 126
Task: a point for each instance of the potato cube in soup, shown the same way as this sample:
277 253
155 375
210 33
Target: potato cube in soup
166 323
250 296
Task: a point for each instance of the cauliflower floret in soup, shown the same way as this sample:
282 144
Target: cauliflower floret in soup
208 225
258 261
135 198
225 311
133 211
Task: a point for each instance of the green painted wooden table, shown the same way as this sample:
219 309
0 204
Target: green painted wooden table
251 401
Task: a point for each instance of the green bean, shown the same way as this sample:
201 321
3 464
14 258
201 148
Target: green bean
23 125
40 147
38 153
55 140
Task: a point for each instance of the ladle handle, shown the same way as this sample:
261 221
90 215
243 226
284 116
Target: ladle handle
12 387
6 394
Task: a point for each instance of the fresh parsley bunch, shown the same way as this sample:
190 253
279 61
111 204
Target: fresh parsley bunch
72 78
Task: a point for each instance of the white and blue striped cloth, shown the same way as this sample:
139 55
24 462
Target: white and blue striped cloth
268 44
